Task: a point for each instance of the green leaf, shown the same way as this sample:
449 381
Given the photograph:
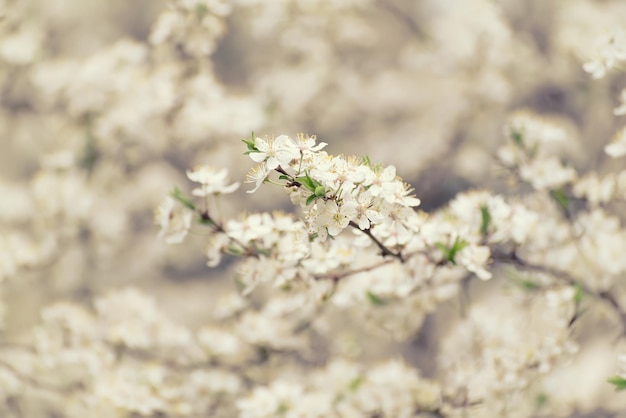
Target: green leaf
578 296
529 285
250 144
541 399
178 195
90 154
306 181
618 382
284 177
444 249
205 221
282 408
311 198
240 285
234 250
320 191
517 137
356 383
450 253
375 299
561 198
201 11
486 219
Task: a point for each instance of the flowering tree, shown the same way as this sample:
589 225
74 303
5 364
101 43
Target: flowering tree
489 284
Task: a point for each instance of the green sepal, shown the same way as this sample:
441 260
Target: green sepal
178 195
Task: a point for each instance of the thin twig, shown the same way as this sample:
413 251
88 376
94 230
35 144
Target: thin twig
37 384
338 276
402 17
606 296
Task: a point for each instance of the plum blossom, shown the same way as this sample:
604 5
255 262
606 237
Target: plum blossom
364 212
174 221
617 147
611 51
274 152
213 181
257 175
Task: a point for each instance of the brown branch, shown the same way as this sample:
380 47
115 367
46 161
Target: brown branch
402 17
383 249
338 276
514 259
37 384
218 227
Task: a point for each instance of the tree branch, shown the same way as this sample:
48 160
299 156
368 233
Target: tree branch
514 259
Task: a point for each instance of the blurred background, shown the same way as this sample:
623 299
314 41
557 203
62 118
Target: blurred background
105 104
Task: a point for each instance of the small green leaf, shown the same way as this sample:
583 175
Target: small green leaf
311 198
450 253
375 299
240 285
444 249
282 408
541 400
529 285
284 177
517 137
250 144
561 198
307 182
201 11
234 250
486 219
356 383
90 154
178 195
578 296
205 221
320 191
618 382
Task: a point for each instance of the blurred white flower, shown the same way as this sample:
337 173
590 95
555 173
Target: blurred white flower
617 147
213 181
174 221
